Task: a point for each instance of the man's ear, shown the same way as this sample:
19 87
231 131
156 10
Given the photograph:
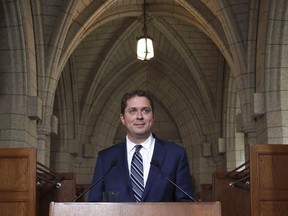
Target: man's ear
122 118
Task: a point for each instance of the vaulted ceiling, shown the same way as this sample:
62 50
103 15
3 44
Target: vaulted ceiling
186 76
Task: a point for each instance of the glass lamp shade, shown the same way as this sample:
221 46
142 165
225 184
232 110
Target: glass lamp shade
145 49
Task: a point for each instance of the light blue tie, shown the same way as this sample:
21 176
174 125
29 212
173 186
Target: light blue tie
137 174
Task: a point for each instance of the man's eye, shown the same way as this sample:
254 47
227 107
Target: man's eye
146 110
132 111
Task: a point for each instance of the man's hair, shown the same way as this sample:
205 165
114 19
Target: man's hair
139 93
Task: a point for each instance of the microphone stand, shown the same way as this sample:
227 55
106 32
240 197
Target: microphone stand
113 163
156 163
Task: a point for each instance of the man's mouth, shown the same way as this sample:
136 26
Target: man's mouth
139 124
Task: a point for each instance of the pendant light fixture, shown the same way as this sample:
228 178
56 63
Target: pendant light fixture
145 49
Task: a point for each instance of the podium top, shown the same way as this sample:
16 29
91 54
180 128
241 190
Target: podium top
136 209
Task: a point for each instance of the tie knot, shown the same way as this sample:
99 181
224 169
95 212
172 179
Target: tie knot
137 148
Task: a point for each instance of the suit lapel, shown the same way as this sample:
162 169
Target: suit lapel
158 154
123 168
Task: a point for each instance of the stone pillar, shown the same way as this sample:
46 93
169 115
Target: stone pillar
43 145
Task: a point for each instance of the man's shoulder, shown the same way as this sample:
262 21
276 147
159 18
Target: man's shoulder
113 148
168 144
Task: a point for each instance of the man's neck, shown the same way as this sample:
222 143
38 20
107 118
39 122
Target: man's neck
138 140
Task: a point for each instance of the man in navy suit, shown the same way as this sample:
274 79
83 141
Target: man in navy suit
169 161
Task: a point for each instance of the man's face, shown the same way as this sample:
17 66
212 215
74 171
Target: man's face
138 119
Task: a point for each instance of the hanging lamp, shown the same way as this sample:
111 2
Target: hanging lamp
145 50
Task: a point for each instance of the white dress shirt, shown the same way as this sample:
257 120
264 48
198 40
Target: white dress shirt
146 152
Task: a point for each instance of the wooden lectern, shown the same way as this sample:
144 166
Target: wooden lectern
136 209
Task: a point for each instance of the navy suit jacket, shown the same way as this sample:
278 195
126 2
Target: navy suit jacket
173 164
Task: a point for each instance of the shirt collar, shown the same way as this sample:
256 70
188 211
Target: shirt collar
147 144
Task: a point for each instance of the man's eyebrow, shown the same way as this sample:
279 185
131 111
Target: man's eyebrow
146 107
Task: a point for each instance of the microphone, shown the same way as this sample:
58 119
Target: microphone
113 163
156 164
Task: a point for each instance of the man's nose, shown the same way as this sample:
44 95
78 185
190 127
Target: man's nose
139 114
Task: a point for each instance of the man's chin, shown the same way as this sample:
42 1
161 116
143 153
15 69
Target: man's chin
142 134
